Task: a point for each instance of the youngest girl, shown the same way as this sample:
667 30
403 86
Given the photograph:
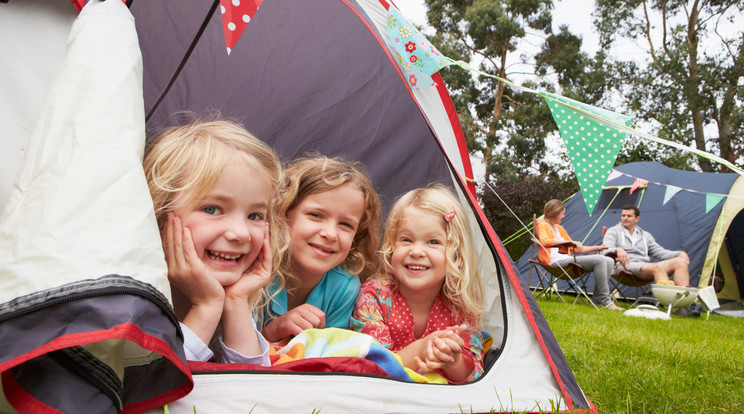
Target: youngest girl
427 306
212 187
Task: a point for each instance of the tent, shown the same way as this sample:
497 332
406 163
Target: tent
700 213
315 75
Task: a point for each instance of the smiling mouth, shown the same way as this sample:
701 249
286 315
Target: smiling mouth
223 256
322 249
417 268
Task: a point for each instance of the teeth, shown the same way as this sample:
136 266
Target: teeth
413 267
223 256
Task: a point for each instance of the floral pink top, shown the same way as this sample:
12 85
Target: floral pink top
382 312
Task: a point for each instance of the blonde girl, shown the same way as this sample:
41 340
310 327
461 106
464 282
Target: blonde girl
212 185
333 215
427 304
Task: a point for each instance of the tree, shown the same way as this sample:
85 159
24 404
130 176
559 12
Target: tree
689 90
525 197
507 128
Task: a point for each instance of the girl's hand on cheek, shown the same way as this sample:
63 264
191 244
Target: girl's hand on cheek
303 317
256 276
186 271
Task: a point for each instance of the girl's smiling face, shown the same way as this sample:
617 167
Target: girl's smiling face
322 228
419 260
227 224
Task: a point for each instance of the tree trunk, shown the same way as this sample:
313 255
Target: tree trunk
724 122
692 87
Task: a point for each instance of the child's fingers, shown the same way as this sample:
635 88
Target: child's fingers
176 260
434 354
427 365
188 255
457 338
443 351
422 366
167 238
308 316
265 256
316 315
261 267
458 329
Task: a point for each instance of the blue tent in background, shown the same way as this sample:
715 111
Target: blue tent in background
714 240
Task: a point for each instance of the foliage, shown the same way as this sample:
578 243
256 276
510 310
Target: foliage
525 196
508 128
690 82
635 365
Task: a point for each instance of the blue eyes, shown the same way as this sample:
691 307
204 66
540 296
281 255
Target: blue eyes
211 210
214 210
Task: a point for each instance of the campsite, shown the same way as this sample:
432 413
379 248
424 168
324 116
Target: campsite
86 320
678 210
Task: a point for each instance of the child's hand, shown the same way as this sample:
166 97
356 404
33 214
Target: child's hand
303 317
441 349
256 276
186 271
189 278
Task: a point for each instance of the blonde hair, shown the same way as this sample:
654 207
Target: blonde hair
306 176
553 208
462 287
189 159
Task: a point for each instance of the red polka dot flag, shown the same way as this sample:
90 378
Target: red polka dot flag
236 14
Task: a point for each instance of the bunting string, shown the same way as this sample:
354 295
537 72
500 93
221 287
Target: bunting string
604 120
736 196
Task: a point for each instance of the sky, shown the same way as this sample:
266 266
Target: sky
576 14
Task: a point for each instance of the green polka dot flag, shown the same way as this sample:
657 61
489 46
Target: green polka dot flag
592 146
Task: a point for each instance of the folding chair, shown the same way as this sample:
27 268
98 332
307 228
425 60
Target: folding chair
627 279
548 276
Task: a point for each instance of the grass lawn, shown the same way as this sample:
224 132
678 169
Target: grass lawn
637 365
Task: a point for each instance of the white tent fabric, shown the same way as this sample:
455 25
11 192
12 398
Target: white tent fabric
85 321
27 67
82 171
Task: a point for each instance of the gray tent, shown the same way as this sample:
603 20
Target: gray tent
713 240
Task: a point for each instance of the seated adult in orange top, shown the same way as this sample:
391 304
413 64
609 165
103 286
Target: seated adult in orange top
551 233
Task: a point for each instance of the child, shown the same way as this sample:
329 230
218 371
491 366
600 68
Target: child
211 183
427 305
333 214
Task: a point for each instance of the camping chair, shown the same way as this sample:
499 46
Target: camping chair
627 279
548 276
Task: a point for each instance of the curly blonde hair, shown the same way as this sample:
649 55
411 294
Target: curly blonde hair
316 174
188 160
462 286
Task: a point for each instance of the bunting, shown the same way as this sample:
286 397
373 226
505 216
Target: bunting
639 182
671 190
712 200
614 174
418 58
236 14
591 146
